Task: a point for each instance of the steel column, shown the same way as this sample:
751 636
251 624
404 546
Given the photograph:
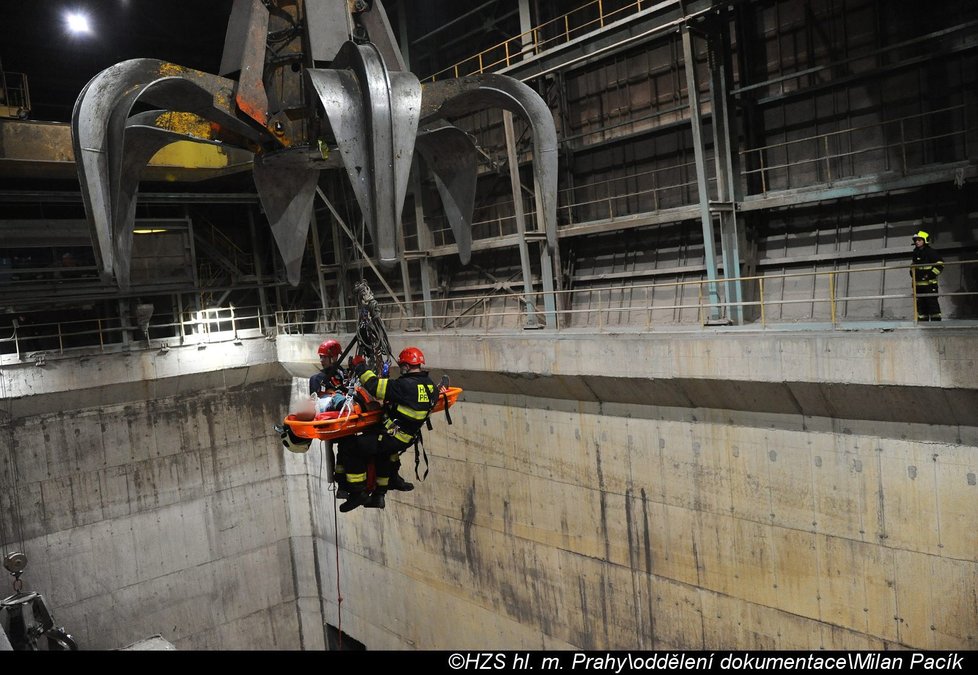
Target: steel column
262 298
425 243
726 184
699 152
516 185
314 223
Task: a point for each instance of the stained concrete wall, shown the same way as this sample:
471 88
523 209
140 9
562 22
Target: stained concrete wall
148 492
725 490
783 491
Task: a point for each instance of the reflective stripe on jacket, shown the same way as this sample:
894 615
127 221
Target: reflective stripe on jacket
408 400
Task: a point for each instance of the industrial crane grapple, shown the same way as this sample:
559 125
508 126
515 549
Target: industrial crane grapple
306 86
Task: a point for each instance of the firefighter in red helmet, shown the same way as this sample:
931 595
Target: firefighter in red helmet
326 392
330 378
407 403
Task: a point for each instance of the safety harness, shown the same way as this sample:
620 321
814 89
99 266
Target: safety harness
415 440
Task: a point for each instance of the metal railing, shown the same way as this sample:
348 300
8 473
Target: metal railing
902 144
36 341
669 187
15 96
560 30
828 298
901 151
820 299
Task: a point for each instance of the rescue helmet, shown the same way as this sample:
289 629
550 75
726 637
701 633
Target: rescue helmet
330 348
922 235
411 356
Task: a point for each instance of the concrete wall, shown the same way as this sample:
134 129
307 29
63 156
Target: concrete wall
727 490
148 492
713 491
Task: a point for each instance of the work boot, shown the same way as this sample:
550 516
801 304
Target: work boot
397 483
356 498
376 501
341 489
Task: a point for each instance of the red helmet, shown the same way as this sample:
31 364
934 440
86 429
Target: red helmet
330 348
411 356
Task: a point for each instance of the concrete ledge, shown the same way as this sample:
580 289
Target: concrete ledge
885 403
75 381
914 375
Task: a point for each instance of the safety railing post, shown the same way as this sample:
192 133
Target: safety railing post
760 290
828 160
648 303
832 309
913 290
699 303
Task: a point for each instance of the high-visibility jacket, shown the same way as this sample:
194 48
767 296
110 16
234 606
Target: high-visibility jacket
927 267
408 401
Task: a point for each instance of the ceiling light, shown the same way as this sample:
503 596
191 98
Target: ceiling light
77 23
148 231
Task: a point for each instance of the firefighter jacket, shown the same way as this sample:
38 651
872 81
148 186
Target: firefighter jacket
408 401
927 267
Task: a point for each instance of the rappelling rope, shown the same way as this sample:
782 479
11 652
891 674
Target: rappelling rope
328 447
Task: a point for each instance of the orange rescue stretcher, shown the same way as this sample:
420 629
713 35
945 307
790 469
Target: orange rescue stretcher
329 426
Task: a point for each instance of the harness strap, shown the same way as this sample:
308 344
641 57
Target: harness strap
448 415
420 442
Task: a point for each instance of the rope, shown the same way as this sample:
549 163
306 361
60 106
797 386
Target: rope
339 592
328 447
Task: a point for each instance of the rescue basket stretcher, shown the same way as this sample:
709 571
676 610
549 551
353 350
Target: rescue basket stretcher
331 425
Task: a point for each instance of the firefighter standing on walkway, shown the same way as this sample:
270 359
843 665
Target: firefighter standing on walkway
927 266
407 403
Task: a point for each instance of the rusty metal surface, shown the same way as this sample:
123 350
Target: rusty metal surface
31 149
250 96
99 122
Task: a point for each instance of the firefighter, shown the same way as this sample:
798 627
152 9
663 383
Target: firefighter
326 389
407 402
327 385
926 267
